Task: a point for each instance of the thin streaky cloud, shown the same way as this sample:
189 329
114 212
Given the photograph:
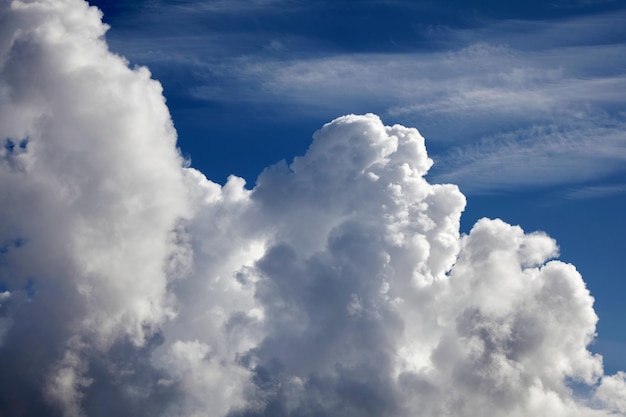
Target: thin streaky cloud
596 191
536 157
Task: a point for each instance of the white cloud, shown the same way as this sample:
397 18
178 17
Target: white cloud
612 392
338 285
92 193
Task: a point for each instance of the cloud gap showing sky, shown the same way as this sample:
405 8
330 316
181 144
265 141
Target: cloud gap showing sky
338 285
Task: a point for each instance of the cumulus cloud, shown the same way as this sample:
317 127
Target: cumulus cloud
339 285
92 190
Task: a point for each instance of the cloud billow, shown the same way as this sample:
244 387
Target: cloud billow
339 285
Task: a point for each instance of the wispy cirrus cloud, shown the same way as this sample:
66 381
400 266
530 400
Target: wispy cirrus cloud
596 191
537 156
539 117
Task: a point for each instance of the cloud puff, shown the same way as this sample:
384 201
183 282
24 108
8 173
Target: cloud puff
338 285
91 191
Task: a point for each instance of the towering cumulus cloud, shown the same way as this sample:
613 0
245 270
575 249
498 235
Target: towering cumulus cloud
339 286
92 191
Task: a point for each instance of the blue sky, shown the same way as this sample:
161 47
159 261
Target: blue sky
521 103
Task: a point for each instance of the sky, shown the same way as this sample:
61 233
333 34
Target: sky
287 208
